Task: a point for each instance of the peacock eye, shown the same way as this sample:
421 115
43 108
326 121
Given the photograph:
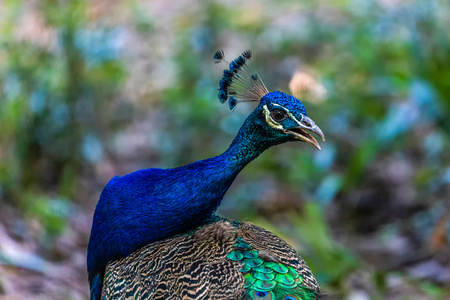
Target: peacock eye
278 115
290 298
262 295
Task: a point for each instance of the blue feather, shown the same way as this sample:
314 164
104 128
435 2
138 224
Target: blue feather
232 102
223 95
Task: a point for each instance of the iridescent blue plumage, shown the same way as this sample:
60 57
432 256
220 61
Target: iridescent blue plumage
232 102
289 102
151 204
236 64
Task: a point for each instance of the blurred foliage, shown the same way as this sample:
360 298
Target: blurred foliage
90 90
52 97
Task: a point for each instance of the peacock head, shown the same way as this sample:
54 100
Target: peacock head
280 116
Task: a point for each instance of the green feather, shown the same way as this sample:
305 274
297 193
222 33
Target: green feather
253 262
249 280
285 279
242 245
264 269
245 269
261 285
279 268
293 272
264 276
268 279
251 254
235 255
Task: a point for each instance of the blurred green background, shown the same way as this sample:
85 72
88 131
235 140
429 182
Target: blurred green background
93 89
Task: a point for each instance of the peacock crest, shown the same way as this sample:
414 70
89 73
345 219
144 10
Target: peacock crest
239 83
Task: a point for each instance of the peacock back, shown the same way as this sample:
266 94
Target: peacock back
222 259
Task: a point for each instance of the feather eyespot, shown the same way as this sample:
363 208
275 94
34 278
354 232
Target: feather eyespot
263 295
290 298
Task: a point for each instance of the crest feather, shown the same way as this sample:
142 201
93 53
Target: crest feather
239 83
218 56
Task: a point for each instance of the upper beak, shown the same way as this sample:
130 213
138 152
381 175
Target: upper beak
301 134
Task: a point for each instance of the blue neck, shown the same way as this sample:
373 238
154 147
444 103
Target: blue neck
152 204
211 178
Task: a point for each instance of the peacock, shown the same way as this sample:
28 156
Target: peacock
155 235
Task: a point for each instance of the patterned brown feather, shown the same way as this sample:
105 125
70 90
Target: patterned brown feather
195 265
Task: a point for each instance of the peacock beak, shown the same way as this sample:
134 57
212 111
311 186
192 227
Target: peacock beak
301 133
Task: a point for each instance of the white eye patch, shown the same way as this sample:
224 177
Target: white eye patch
270 121
274 124
291 115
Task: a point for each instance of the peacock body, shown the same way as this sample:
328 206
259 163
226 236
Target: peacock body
222 259
155 235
